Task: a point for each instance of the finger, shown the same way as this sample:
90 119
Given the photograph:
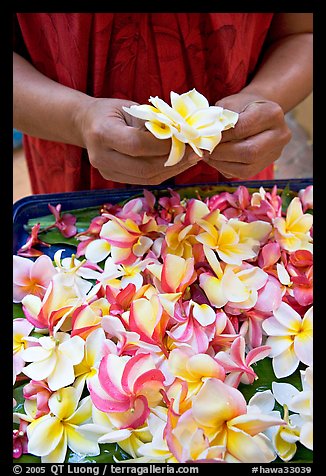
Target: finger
135 142
246 171
256 117
140 170
252 149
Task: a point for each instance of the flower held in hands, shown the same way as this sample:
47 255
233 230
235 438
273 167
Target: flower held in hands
190 120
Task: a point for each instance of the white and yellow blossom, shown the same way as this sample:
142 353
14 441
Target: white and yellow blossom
50 435
293 231
290 339
53 358
190 120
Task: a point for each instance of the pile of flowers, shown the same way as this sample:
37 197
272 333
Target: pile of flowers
149 335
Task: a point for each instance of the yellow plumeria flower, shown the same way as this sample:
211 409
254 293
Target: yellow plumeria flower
50 435
293 231
190 120
232 239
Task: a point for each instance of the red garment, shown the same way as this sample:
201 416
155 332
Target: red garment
134 56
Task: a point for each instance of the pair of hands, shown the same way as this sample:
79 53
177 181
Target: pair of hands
124 151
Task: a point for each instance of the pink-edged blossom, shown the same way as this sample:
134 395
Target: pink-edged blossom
126 388
238 364
31 277
38 390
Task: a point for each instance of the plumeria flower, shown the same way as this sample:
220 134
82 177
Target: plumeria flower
31 277
238 365
126 388
233 240
225 420
283 437
293 231
21 330
190 120
195 325
64 222
54 359
40 392
88 317
75 273
20 440
58 302
306 197
194 368
301 404
93 353
290 339
128 240
237 285
50 435
28 250
102 431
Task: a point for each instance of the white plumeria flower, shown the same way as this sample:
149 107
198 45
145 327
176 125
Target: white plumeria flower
53 359
128 274
97 250
301 403
51 434
190 120
93 353
284 437
290 339
74 273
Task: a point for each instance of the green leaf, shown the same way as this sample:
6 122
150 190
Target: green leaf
17 311
266 377
287 195
19 397
54 237
83 215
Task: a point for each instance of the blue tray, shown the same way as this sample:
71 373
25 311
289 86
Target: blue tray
34 206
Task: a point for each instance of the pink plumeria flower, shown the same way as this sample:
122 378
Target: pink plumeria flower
64 222
58 302
238 365
40 392
31 277
54 359
195 325
28 250
126 388
20 440
306 197
290 339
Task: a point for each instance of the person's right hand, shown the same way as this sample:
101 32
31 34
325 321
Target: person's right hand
122 149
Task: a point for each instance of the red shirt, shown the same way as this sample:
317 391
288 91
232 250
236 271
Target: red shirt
134 56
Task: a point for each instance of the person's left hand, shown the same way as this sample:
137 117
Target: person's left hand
256 141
